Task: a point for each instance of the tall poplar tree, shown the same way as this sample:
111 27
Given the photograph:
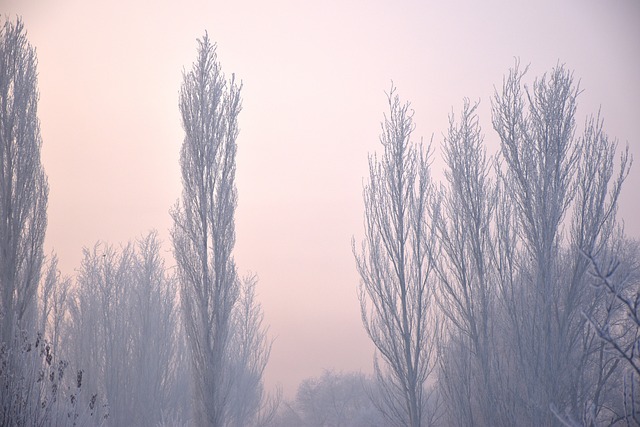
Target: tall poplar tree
396 274
23 183
204 233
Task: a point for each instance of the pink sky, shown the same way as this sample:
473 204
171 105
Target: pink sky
314 79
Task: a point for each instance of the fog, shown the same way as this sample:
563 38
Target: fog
314 82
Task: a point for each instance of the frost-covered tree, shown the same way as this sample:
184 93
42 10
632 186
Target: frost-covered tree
396 287
463 219
100 333
155 351
550 355
535 330
53 302
332 399
204 232
124 332
23 182
250 350
23 221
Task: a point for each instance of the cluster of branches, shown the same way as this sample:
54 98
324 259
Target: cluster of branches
123 328
618 327
528 329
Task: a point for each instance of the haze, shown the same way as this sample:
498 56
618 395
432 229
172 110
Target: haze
315 76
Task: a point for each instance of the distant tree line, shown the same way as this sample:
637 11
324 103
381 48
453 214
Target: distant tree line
506 295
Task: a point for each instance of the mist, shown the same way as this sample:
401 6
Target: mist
212 214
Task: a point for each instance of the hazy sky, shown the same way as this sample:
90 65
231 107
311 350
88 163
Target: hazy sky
314 77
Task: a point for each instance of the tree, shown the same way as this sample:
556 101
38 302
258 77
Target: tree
204 233
23 222
333 399
23 182
396 286
156 342
101 334
250 347
464 264
124 330
550 356
53 302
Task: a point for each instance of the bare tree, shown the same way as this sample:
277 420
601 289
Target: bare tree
23 183
466 271
396 285
54 291
204 233
101 334
250 350
541 159
23 222
333 399
124 332
154 328
544 288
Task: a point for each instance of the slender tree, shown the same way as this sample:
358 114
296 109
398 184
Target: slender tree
53 299
23 222
23 183
204 233
396 274
154 349
465 268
